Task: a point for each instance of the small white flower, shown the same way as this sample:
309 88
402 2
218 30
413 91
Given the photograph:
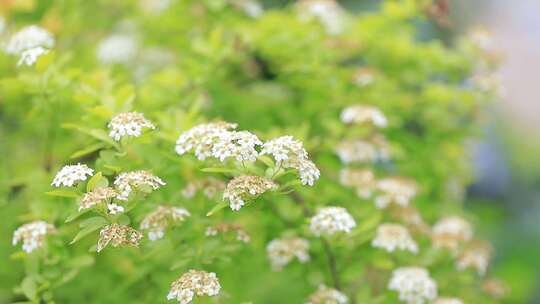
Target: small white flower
449 232
364 77
361 179
194 282
115 209
97 196
128 124
393 236
290 153
331 220
361 114
363 151
219 141
327 12
414 285
477 255
117 49
30 43
396 190
71 174
282 251
118 235
482 39
162 218
127 181
32 235
245 187
327 295
155 7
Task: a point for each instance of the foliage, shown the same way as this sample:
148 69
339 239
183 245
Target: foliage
284 72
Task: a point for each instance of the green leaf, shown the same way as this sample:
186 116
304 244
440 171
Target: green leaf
97 181
96 133
91 221
113 168
87 150
29 288
369 223
267 161
64 193
217 208
74 215
88 226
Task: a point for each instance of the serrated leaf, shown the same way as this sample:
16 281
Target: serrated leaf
63 193
217 208
87 150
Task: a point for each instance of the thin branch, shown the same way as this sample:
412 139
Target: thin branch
331 264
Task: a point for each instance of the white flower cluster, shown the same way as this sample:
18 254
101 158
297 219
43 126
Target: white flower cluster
127 181
476 256
118 235
98 196
414 285
117 49
363 151
449 232
331 220
448 301
290 153
495 288
327 12
246 187
162 218
128 124
210 186
326 295
220 141
30 43
282 251
362 114
32 235
392 237
71 174
155 7
363 180
364 77
241 234
251 8
482 39
194 282
395 190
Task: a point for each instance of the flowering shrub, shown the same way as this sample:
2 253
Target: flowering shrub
214 152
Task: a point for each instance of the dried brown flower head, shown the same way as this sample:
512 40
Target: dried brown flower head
245 187
162 218
118 235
